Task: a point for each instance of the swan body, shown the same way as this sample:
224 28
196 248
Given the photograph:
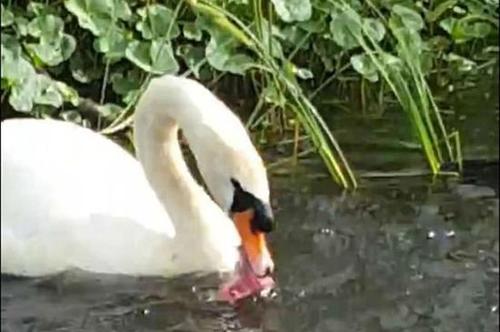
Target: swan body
71 198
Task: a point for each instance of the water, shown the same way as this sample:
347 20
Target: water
400 254
395 256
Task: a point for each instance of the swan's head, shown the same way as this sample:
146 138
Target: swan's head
230 166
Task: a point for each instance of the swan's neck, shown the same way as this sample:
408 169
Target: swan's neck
160 154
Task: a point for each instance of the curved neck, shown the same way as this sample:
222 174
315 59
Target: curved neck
159 151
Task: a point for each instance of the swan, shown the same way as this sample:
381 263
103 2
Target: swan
72 198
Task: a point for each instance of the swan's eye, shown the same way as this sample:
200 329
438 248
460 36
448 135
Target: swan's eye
243 201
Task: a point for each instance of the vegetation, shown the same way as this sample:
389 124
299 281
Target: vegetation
87 61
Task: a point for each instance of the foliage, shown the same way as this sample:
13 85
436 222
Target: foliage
73 57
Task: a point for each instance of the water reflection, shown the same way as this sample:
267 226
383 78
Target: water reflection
394 256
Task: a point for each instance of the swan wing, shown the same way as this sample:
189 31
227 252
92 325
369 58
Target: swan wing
64 185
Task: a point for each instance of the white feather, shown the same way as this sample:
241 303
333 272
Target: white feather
72 198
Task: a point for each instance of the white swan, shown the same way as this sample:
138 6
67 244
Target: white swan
71 198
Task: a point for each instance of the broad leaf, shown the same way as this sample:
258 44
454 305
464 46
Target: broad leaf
7 17
154 57
364 65
345 28
156 20
98 15
293 10
193 56
191 31
407 17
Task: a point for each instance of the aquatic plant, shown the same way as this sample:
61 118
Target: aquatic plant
87 61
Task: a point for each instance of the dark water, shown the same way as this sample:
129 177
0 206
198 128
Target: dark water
395 256
400 254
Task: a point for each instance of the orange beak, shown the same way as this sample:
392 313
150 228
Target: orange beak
254 243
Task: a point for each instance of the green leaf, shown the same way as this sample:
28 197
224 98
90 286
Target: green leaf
109 111
293 10
83 68
127 85
155 22
48 27
113 43
21 25
7 17
464 29
98 16
326 50
314 25
448 24
409 42
221 55
15 68
47 92
54 52
192 32
193 56
17 75
408 17
153 57
374 28
272 43
54 45
222 51
440 9
364 65
71 116
345 28
461 64
68 93
40 9
22 95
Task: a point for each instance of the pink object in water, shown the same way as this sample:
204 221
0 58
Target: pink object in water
244 283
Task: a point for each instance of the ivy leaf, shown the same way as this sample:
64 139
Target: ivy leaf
270 42
324 48
54 52
374 28
192 32
7 18
345 28
154 57
47 92
223 50
83 68
364 65
17 74
22 95
293 10
68 93
49 27
440 9
222 56
463 30
112 43
98 15
127 85
15 68
461 64
407 17
40 9
193 56
54 46
155 22
21 25
109 111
